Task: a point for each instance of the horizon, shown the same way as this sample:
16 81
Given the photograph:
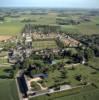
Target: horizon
79 4
60 8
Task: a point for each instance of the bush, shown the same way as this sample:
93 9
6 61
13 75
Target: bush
35 87
42 82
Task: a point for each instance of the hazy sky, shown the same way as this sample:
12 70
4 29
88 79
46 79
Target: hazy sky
50 3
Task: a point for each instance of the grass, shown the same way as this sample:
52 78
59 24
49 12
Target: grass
61 60
85 71
79 70
35 86
4 72
94 62
84 28
8 90
44 44
88 28
90 95
3 60
13 26
73 94
50 81
3 53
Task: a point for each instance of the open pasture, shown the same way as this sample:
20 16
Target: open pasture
44 44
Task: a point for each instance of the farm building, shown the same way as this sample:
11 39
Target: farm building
41 75
22 85
28 41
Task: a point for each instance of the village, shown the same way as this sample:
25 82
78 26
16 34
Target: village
42 68
49 50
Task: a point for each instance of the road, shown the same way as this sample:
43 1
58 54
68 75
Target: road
5 65
52 91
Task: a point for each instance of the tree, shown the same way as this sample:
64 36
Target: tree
63 73
78 77
96 50
38 63
1 18
89 54
27 62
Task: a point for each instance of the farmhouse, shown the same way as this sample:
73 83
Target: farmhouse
28 39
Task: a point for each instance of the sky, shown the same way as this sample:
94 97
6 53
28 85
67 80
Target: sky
51 3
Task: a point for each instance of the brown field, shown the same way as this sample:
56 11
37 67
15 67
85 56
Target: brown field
3 38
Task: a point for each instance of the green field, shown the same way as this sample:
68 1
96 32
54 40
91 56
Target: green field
90 95
10 28
85 93
44 44
87 28
13 26
8 90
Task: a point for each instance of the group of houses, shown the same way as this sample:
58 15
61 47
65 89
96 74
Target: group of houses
67 41
18 53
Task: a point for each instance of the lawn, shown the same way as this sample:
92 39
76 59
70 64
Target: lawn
88 75
88 92
44 44
8 90
52 76
82 70
35 86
